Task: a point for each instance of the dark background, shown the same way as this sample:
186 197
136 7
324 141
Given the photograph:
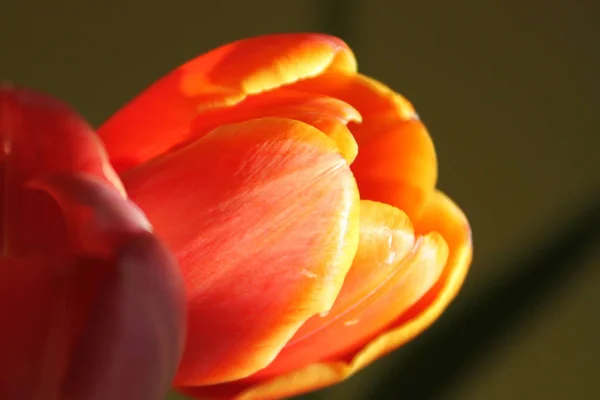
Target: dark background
509 91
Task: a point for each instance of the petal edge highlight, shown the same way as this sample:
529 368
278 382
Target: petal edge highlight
440 215
160 117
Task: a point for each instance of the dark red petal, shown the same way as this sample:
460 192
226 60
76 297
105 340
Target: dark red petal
40 135
135 332
134 341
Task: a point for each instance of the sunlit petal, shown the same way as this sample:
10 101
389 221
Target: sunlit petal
134 330
391 272
161 117
370 97
262 217
396 162
325 113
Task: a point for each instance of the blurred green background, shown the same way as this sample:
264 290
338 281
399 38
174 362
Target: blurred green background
509 91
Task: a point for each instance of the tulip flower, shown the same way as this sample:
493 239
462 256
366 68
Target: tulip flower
91 302
298 197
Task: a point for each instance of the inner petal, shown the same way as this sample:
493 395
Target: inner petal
396 163
325 113
392 270
40 135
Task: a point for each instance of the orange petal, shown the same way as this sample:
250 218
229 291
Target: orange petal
325 113
391 271
440 215
160 117
263 218
396 162
40 136
370 97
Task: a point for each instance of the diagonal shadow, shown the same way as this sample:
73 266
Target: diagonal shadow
432 363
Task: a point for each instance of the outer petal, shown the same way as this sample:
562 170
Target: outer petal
135 327
46 294
134 341
396 163
262 216
40 135
160 117
35 334
440 215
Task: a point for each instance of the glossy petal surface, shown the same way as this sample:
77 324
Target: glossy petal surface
161 116
262 217
396 163
391 271
440 215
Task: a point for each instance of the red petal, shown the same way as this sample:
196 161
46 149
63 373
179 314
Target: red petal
262 216
46 301
35 333
134 338
161 116
98 216
134 341
40 136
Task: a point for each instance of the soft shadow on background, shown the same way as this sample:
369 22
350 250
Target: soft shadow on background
509 91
